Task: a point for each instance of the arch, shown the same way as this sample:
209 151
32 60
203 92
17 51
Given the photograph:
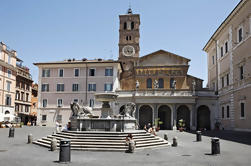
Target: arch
145 115
161 82
164 115
183 112
125 25
7 112
203 117
121 110
149 83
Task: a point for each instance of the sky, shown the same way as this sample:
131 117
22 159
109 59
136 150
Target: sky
55 30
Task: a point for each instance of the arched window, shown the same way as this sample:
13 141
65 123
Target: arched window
132 25
172 83
125 25
7 112
149 83
161 83
130 37
127 38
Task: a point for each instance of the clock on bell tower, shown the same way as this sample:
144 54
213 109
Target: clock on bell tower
129 39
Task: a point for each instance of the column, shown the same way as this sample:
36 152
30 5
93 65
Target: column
174 116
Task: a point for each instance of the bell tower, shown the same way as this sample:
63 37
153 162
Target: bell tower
129 39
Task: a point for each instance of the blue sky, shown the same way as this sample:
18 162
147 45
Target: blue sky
53 30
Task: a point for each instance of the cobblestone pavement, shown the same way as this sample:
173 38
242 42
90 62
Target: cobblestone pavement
16 152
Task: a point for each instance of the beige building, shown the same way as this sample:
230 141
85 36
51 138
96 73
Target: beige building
229 67
61 83
159 84
23 93
7 81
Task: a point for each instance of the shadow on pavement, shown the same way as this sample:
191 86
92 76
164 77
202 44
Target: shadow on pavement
235 136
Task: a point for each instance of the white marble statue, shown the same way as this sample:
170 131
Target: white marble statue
78 111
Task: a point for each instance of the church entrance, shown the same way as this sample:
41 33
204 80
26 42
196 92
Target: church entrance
203 118
145 116
164 115
183 113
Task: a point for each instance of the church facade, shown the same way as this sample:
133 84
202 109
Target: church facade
159 84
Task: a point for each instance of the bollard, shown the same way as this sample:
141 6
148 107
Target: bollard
65 151
215 146
11 132
30 138
175 143
53 144
131 146
165 137
198 136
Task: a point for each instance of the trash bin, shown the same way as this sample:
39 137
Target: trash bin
11 132
215 145
65 151
198 136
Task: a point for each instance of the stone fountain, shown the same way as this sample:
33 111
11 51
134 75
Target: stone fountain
82 119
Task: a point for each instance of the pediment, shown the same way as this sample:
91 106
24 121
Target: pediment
162 58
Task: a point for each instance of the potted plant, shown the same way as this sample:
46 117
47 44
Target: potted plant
182 125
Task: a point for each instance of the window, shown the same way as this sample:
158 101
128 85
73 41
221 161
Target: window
60 87
108 87
44 117
228 113
26 108
242 110
149 83
59 118
214 86
74 87
91 104
226 47
125 25
76 72
222 82
109 71
241 73
61 72
91 72
9 73
22 96
8 85
240 34
9 59
44 103
132 25
17 95
27 96
161 83
221 52
222 112
8 100
227 79
46 73
75 100
213 60
92 87
45 88
60 103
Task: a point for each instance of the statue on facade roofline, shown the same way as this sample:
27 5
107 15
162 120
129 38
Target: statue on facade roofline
174 84
156 84
137 85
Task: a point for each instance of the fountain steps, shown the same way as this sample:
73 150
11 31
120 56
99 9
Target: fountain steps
103 141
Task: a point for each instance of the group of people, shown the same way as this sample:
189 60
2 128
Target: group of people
150 129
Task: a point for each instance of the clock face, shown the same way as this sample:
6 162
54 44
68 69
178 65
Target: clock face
128 50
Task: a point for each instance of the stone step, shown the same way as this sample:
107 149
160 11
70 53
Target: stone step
102 146
101 135
107 132
102 139
105 142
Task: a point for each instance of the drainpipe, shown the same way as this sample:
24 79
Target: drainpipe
216 63
86 85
